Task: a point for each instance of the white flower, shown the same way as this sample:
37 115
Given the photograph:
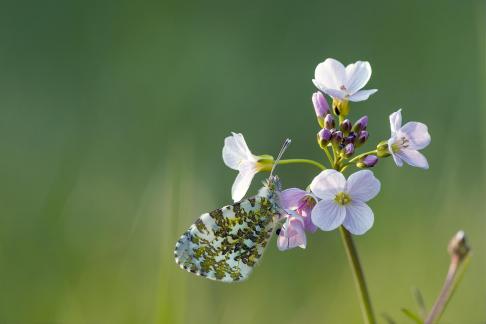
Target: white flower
238 156
343 83
344 202
406 140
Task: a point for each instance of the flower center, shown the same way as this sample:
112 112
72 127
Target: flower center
342 198
400 143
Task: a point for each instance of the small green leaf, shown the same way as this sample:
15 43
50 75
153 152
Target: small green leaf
420 301
412 316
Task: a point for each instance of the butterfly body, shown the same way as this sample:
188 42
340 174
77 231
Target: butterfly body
228 242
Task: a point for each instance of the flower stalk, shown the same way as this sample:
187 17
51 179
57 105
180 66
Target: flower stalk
364 296
460 256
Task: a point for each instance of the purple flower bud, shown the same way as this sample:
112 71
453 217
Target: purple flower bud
360 124
350 139
323 137
348 150
345 126
368 161
337 137
363 137
320 104
325 134
329 121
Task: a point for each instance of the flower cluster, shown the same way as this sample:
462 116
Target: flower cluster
332 200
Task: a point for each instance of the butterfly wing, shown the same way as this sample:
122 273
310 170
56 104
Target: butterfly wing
227 243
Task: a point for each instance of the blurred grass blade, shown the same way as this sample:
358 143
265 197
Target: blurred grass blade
410 314
419 299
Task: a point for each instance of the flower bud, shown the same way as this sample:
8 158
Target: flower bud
362 137
348 150
329 121
345 126
458 246
382 149
337 137
323 137
360 124
320 106
368 161
351 138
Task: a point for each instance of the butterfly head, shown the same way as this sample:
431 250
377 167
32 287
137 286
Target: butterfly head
272 184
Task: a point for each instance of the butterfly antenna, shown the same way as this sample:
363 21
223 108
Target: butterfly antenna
279 156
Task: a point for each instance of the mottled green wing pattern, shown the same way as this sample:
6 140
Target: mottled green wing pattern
227 243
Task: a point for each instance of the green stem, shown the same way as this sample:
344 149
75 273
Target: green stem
357 157
328 154
291 161
359 278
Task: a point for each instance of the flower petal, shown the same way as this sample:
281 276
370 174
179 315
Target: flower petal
362 185
327 184
235 151
291 198
357 75
306 213
359 218
413 158
395 121
328 215
417 134
362 95
292 235
242 183
330 74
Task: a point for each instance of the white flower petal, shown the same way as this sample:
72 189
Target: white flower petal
335 93
362 95
328 215
357 75
362 186
417 134
395 121
291 198
330 74
359 218
236 152
328 183
413 158
397 160
242 183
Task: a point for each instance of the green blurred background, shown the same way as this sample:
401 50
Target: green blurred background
113 115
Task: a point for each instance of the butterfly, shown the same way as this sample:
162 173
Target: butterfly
226 243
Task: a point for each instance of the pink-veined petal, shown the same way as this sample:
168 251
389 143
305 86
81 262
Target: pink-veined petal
413 158
328 215
359 218
363 185
330 74
292 235
417 135
357 75
395 121
291 198
306 212
328 183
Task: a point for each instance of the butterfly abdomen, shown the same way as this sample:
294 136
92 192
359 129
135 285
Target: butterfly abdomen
226 243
